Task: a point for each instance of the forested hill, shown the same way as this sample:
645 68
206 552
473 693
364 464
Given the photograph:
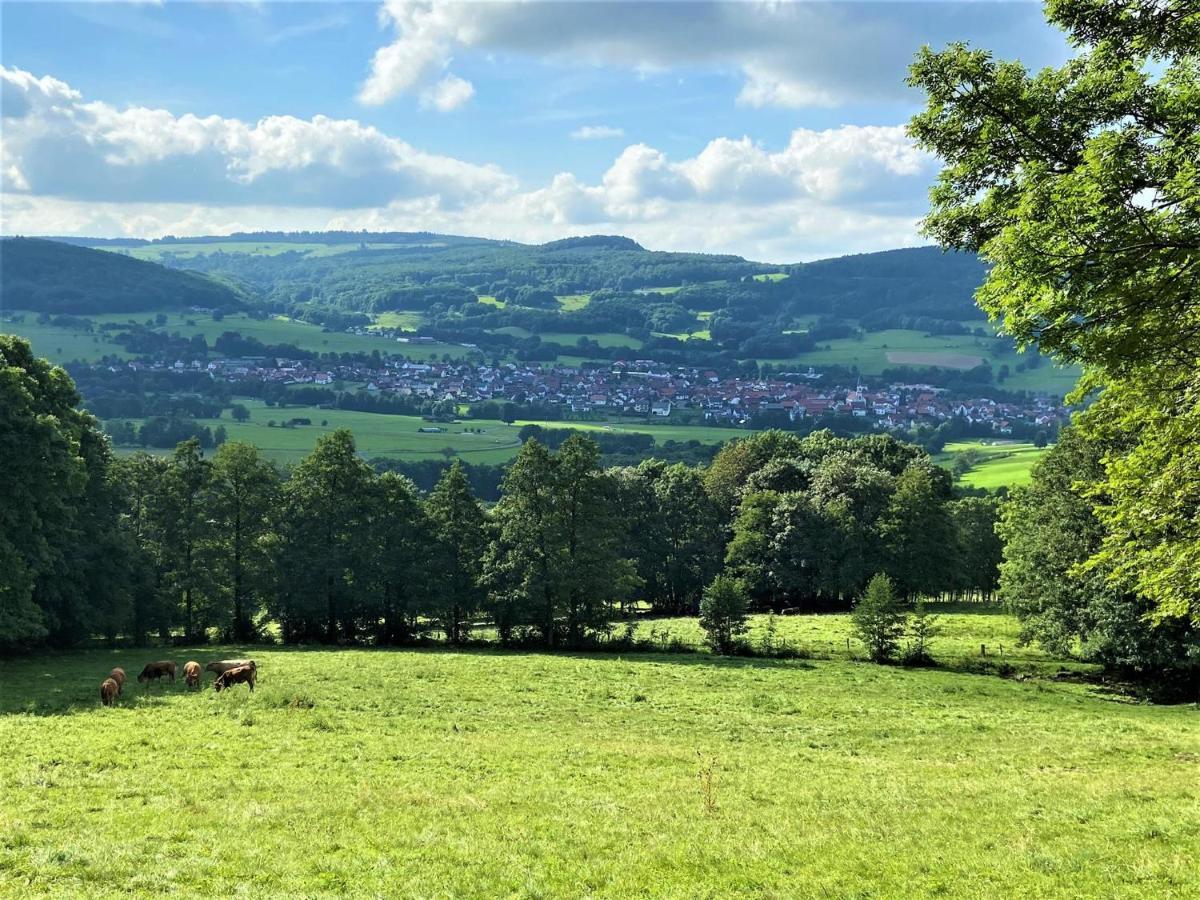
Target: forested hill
54 277
371 272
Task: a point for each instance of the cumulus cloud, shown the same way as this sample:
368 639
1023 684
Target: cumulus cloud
75 166
596 133
449 93
816 53
56 143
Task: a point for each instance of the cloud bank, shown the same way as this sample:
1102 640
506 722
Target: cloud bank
76 166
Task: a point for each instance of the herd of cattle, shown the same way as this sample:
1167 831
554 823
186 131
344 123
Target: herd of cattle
229 672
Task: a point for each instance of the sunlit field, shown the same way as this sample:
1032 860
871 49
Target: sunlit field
484 773
399 437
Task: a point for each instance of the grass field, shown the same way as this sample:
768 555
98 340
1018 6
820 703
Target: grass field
1001 463
64 345
405 321
569 338
896 348
484 773
397 437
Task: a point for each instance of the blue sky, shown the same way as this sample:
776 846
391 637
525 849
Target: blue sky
773 130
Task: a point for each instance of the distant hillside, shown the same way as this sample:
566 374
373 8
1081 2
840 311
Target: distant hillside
54 277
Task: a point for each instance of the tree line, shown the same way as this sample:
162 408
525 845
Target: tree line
189 546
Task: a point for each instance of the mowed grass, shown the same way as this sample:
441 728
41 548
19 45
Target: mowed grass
439 774
1001 464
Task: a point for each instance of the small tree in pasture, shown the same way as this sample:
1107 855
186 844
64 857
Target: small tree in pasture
921 630
723 613
879 622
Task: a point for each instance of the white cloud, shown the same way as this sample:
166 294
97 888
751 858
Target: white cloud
596 133
816 53
72 166
57 144
448 94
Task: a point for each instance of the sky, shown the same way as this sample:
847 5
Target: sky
773 130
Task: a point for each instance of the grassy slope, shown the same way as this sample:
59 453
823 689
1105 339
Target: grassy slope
49 340
870 356
1002 463
421 773
62 345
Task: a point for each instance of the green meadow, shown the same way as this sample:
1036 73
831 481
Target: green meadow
486 773
62 345
1000 463
903 348
398 437
66 344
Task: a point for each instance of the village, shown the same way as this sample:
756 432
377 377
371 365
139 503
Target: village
645 388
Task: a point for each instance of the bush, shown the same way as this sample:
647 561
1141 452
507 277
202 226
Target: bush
723 613
921 631
879 621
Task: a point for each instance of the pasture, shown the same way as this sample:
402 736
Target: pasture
376 434
62 345
66 344
899 348
489 773
1000 463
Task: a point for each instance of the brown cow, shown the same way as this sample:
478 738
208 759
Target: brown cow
108 691
118 675
191 674
157 670
224 665
239 675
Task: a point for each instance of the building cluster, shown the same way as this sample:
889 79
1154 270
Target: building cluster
642 387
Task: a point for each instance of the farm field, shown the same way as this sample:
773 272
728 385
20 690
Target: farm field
486 773
375 434
569 338
895 348
62 345
48 340
1001 463
397 437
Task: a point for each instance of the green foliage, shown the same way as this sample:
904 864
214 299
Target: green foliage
58 549
879 619
556 563
244 490
922 627
723 613
1067 601
49 276
1081 186
458 528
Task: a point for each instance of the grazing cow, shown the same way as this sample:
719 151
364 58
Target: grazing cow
191 674
108 691
118 675
224 665
157 670
239 675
